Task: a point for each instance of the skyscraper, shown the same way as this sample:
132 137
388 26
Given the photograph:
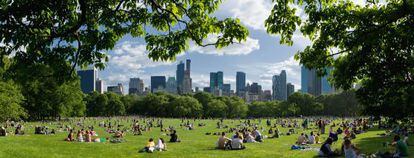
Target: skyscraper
216 81
157 83
136 86
88 80
327 88
240 82
184 81
304 82
99 86
226 89
290 89
171 85
279 86
118 89
187 83
180 77
314 84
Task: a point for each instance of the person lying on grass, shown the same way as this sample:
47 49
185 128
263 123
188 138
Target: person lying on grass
101 140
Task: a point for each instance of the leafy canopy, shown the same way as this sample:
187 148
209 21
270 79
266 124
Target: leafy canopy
79 32
370 44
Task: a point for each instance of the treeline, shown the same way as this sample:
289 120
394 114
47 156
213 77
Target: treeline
208 106
34 93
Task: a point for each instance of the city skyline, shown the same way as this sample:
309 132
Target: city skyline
260 56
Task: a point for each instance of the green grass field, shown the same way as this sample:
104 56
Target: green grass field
195 143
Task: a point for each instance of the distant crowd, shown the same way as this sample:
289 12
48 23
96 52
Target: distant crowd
245 131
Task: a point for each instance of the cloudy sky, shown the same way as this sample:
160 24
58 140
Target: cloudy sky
260 57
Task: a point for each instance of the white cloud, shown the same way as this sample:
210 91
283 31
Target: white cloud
133 56
251 13
243 48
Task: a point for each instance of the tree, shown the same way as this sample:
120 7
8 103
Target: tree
216 108
341 104
186 106
96 104
79 32
236 107
306 103
155 105
115 106
204 98
129 101
11 100
370 44
67 100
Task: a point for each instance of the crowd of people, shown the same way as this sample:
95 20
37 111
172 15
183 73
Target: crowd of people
309 132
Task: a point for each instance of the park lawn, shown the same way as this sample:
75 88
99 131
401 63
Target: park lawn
195 143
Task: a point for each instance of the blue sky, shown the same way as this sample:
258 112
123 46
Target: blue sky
260 57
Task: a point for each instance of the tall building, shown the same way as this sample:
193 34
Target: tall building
304 79
327 88
99 86
314 84
226 89
157 83
180 76
136 86
171 85
290 89
254 88
88 80
118 89
267 95
279 86
187 85
216 81
240 82
184 81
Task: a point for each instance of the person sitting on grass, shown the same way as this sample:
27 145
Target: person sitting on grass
301 139
223 141
174 137
311 138
401 149
275 134
88 137
248 138
349 150
3 131
119 134
270 132
326 151
405 140
161 146
70 136
257 135
80 136
237 143
150 147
